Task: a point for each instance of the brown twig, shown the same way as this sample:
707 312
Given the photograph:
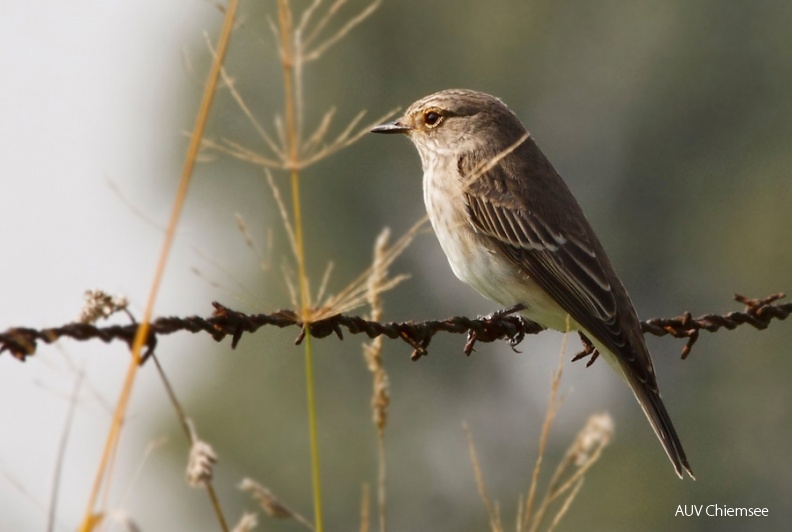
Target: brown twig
22 342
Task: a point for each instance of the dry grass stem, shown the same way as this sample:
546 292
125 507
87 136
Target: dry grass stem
376 282
300 57
321 130
359 292
378 275
565 507
582 454
351 24
309 153
289 151
306 16
202 117
346 138
246 523
97 399
216 264
281 131
202 458
265 260
567 479
325 280
260 129
21 489
101 305
488 164
492 511
61 454
365 503
284 214
308 13
552 410
150 448
134 209
238 151
273 26
270 503
520 512
288 279
117 521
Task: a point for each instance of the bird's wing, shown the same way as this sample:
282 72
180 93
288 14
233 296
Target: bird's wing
554 244
524 208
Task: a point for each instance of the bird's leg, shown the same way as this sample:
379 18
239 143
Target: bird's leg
514 339
588 350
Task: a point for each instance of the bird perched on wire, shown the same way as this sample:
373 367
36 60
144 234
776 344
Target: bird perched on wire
512 230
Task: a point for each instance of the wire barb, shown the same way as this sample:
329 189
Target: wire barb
22 342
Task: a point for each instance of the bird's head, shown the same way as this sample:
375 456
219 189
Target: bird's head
457 121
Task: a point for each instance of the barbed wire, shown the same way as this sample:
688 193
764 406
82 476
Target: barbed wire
22 342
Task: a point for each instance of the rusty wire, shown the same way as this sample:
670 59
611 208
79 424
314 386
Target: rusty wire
22 342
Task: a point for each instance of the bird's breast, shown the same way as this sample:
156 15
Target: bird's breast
475 258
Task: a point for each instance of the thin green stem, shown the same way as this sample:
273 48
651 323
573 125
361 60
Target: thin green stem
288 60
309 384
309 373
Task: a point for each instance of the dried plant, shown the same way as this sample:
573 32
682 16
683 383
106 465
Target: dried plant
288 147
246 523
567 479
377 283
271 504
90 517
100 305
496 525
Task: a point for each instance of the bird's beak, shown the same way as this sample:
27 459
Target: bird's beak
392 127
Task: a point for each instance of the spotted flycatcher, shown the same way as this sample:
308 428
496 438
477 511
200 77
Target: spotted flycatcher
512 230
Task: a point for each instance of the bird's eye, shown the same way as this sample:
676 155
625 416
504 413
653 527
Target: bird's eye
432 118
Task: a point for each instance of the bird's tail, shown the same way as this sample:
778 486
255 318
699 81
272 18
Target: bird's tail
658 417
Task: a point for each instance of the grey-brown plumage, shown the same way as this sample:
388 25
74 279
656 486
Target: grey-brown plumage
512 229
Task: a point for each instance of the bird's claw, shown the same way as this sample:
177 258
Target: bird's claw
513 339
588 350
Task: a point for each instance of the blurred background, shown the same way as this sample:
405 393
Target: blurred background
671 121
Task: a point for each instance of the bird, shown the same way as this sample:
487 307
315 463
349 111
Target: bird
512 230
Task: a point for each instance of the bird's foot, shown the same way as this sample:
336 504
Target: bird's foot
588 350
494 328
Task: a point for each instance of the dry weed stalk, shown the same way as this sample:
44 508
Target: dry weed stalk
271 504
567 478
364 508
201 461
289 148
581 455
265 259
61 454
378 282
201 458
246 523
101 305
111 445
496 525
362 290
488 164
552 409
